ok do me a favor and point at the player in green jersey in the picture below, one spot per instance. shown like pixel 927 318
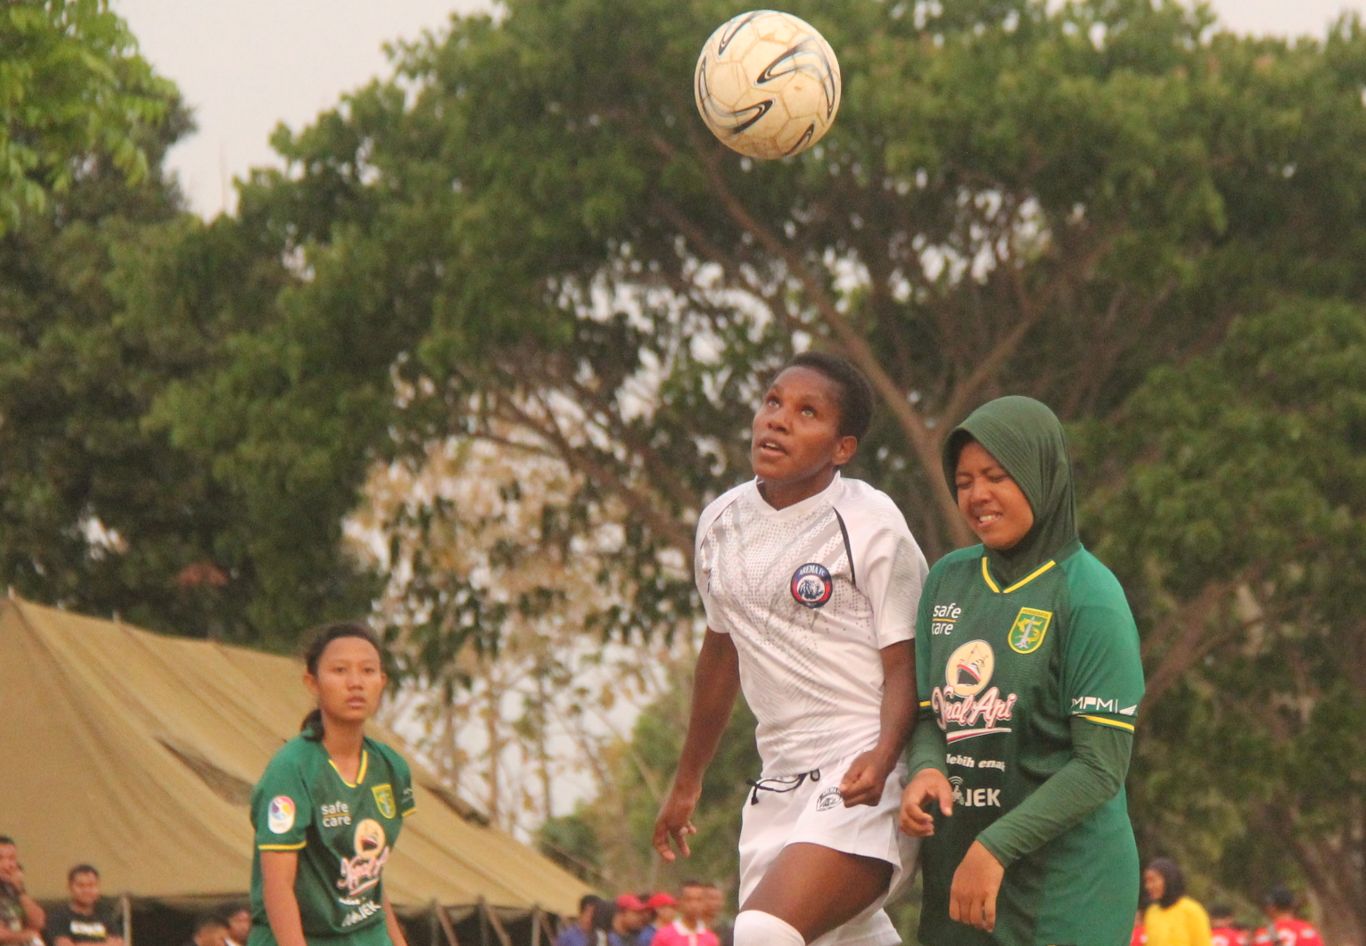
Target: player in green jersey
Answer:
pixel 1029 682
pixel 329 808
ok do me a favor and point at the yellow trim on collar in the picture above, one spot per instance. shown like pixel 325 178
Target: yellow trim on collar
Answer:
pixel 986 576
pixel 1128 727
pixel 360 776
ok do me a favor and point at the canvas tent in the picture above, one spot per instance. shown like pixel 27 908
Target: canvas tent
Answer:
pixel 137 752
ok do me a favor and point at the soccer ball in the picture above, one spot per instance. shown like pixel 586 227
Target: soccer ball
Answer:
pixel 767 84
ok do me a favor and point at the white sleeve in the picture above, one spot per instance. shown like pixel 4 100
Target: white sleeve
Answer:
pixel 704 560
pixel 888 567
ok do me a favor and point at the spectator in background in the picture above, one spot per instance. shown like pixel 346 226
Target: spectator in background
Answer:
pixel 1139 937
pixel 580 932
pixel 238 918
pixel 688 928
pixel 665 907
pixel 1224 931
pixel 210 930
pixel 713 907
pixel 626 921
pixel 646 933
pixel 85 918
pixel 21 918
pixel 1171 917
pixel 1284 928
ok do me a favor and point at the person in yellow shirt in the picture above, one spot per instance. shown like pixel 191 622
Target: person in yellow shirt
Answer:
pixel 1171 917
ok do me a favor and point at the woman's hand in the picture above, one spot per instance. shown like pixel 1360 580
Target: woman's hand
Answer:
pixel 865 779
pixel 972 898
pixel 928 787
pixel 674 823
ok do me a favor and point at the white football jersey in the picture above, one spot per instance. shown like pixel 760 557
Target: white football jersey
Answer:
pixel 810 595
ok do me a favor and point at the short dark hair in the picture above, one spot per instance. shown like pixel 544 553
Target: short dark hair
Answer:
pixel 589 900
pixel 81 869
pixel 6 839
pixel 1280 897
pixel 1173 881
pixel 856 394
pixel 209 920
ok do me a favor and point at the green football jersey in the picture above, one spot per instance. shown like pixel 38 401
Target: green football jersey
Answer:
pixel 344 834
pixel 1003 671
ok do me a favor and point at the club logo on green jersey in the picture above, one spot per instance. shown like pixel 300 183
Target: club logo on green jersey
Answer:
pixel 384 800
pixel 1026 634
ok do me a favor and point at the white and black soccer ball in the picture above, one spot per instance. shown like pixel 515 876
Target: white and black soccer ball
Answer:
pixel 767 84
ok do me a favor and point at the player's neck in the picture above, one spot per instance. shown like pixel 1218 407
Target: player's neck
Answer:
pixel 343 742
pixel 780 495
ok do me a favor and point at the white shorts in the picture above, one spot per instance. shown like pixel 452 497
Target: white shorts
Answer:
pixel 789 810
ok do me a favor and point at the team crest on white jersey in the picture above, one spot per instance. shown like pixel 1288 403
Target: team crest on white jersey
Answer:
pixel 812 585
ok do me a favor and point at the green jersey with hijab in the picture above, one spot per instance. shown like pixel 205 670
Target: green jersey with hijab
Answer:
pixel 1013 651
pixel 344 833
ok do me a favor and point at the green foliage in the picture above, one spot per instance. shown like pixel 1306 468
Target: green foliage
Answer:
pixel 1238 509
pixel 72 88
pixel 608 838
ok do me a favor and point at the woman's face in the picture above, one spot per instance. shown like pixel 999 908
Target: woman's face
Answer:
pixel 990 500
pixel 1154 885
pixel 349 681
pixel 795 442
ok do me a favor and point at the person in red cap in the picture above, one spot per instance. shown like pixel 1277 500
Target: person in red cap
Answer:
pixel 626 921
pixel 687 929
pixel 661 909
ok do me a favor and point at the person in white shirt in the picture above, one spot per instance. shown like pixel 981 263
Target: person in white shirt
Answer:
pixel 810 583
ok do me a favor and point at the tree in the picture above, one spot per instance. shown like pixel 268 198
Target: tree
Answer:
pixel 73 88
pixel 528 230
pixel 472 541
pixel 611 832
pixel 525 238
pixel 1236 501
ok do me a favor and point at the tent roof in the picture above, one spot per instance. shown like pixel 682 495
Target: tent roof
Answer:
pixel 136 752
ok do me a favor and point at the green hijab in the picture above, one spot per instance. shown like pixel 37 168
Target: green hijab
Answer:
pixel 1027 439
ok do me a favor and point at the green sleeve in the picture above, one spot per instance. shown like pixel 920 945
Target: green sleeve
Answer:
pixel 1102 672
pixel 928 748
pixel 281 808
pixel 406 804
pixel 1093 776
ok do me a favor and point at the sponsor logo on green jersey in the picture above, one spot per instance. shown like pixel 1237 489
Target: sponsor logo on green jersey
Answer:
pixel 965 700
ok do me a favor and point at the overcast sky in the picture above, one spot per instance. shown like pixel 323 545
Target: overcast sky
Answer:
pixel 246 65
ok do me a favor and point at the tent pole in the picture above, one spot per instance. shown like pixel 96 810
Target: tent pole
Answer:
pixel 536 926
pixel 447 927
pixel 126 907
pixel 495 923
pixel 543 925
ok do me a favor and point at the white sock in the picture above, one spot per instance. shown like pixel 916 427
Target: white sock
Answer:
pixel 757 928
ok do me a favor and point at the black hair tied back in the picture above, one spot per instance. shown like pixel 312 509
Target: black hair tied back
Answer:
pixel 312 726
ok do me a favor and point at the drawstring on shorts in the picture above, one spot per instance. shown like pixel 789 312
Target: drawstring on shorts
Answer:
pixel 780 784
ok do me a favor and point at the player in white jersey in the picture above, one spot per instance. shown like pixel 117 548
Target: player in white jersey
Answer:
pixel 810 584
